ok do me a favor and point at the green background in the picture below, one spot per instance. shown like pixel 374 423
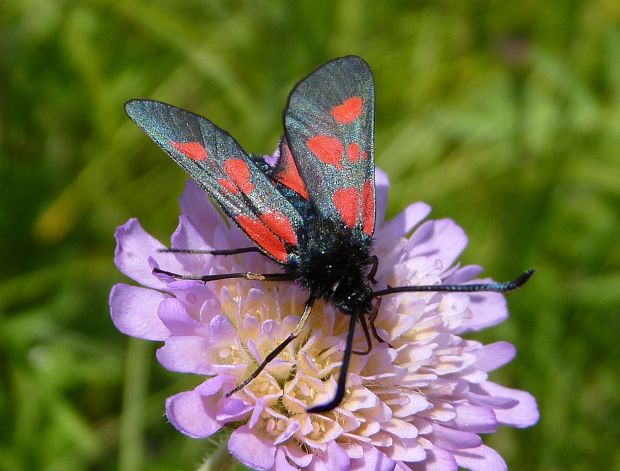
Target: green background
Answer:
pixel 502 115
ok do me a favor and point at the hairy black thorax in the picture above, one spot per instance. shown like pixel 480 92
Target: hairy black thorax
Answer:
pixel 332 262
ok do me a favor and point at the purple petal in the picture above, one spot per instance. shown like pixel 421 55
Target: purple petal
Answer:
pixel 175 317
pixel 382 184
pixel 441 240
pixel 522 414
pixel 411 403
pixel 463 275
pixel 259 407
pixel 198 299
pixel 200 212
pixel 451 439
pixel 290 430
pixel 282 463
pixel 333 459
pixel 253 451
pixel 186 354
pixel 475 419
pixel 193 414
pixel 371 460
pixel 207 221
pixel 214 385
pixel 298 456
pixel 488 309
pixel 221 330
pixel 495 355
pixel 406 220
pixel 481 458
pixel 438 459
pixel 401 429
pixel 478 396
pixel 272 160
pixel 185 236
pixel 133 249
pixel 231 409
pixel 134 312
pixel 406 450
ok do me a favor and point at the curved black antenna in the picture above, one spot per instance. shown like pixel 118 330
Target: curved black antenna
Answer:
pixel 342 379
pixel 499 287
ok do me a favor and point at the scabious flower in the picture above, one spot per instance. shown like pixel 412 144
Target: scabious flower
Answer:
pixel 419 403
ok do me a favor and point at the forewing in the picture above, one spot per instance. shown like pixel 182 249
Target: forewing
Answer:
pixel 219 165
pixel 329 126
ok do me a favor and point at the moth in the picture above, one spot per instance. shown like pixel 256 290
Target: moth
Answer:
pixel 313 212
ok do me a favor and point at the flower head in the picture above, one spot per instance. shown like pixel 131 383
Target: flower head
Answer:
pixel 419 401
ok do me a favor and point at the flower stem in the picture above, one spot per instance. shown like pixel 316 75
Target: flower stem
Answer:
pixel 219 460
pixel 131 442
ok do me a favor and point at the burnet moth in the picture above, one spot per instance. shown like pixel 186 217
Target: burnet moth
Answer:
pixel 313 212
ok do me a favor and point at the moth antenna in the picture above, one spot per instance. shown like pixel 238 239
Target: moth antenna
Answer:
pixel 499 287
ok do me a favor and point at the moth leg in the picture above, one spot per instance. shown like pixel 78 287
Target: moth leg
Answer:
pixel 342 378
pixel 374 260
pixel 367 336
pixel 371 320
pixel 214 251
pixel 225 276
pixel 276 351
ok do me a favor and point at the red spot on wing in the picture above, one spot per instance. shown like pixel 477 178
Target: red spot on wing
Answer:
pixel 348 111
pixel 327 148
pixel 368 207
pixel 260 233
pixel 194 150
pixel 239 173
pixel 354 151
pixel 280 225
pixel 288 174
pixel 228 185
pixel 346 201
